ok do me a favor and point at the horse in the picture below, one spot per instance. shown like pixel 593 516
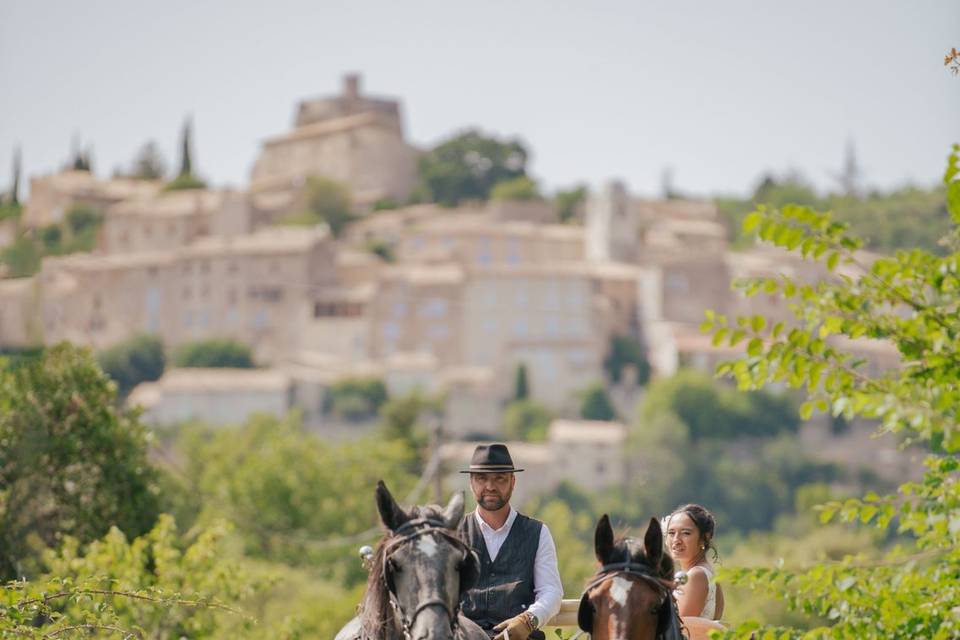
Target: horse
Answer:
pixel 417 576
pixel 631 595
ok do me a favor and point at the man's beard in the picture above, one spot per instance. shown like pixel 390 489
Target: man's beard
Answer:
pixel 493 502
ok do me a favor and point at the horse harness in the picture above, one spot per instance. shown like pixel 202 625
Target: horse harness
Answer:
pixel 668 619
pixel 469 569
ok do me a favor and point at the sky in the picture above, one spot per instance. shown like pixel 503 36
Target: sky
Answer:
pixel 716 92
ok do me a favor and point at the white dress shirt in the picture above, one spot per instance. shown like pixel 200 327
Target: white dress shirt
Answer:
pixel 547 588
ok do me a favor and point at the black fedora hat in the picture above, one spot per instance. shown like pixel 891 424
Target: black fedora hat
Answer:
pixel 491 458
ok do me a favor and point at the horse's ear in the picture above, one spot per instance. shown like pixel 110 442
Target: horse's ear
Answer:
pixel 391 514
pixel 603 539
pixel 653 542
pixel 453 513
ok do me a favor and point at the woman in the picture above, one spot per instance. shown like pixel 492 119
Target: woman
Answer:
pixel 690 532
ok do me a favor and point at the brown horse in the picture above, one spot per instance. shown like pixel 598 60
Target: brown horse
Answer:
pixel 416 576
pixel 631 595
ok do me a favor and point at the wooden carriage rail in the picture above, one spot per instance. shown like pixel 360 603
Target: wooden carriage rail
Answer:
pixel 567 616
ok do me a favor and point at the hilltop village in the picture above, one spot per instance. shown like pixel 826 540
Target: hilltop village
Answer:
pixel 456 302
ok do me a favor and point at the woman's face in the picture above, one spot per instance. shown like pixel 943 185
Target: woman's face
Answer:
pixel 683 539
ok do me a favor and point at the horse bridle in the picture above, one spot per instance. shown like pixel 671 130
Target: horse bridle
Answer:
pixel 399 540
pixel 663 586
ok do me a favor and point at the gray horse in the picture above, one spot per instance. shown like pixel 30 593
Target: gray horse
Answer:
pixel 418 572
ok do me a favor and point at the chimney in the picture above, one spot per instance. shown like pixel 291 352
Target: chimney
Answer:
pixel 351 86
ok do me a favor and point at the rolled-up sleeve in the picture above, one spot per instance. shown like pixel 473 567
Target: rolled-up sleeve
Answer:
pixel 547 588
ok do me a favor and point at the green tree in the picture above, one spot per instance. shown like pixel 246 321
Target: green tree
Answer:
pixel 327 201
pixel 909 301
pixel 519 188
pixel 526 420
pixel 22 257
pixel 70 462
pixel 149 164
pixel 595 404
pixel 713 410
pixel 570 202
pixel 135 360
pixel 186 178
pixel 402 416
pixel 15 186
pixel 468 165
pixel 292 496
pixel 357 398
pixel 626 351
pixel 169 588
pixel 521 388
pixel 186 159
pixel 216 353
pixel 51 237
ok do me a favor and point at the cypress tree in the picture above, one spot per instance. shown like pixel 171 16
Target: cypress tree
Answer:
pixel 15 190
pixel 520 386
pixel 186 164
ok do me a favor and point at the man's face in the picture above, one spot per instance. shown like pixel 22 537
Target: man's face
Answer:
pixel 492 491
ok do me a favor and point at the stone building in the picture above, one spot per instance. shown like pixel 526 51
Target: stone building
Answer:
pixel 52 196
pixel 251 288
pixel 351 138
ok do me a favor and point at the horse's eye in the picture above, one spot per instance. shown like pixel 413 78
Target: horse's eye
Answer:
pixel 394 567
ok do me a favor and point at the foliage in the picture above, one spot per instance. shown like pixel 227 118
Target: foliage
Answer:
pixel 401 416
pixel 9 209
pixel 186 161
pixel 526 420
pixel 902 219
pixel 468 165
pixel 714 410
pixel 215 352
pixel 185 182
pixel 14 194
pixel 328 202
pixel 22 258
pixel 519 188
pixel 71 464
pixel 521 387
pixel 149 164
pixel 595 403
pixel 626 351
pixel 910 301
pixel 952 61
pixel 381 248
pixel 357 398
pixel 50 237
pixel 178 589
pixel 572 530
pixel 77 233
pixel 83 220
pixel 135 360
pixel 293 497
pixel 570 202
pixel 384 204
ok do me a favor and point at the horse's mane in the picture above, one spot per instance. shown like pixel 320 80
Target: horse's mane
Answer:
pixel 376 614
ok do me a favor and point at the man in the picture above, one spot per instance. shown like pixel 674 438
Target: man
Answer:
pixel 519 585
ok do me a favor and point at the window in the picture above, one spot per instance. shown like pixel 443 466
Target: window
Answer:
pixel 433 308
pixel 484 252
pixel 521 327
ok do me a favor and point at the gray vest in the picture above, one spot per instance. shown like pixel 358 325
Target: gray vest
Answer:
pixel 505 586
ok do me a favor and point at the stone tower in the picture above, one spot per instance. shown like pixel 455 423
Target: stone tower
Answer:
pixel 612 227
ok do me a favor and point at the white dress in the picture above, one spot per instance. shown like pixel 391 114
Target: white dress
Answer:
pixel 710 604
